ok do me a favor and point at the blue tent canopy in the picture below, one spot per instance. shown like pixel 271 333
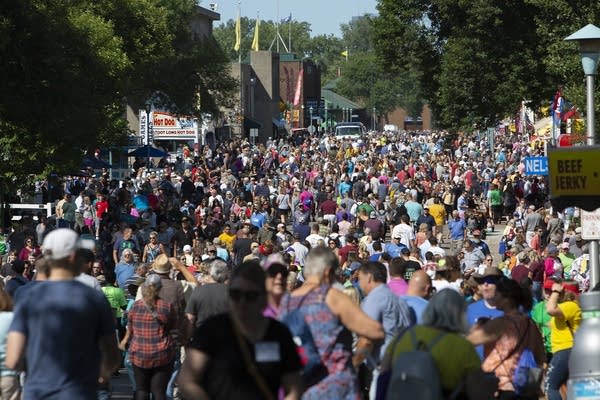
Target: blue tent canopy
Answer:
pixel 147 151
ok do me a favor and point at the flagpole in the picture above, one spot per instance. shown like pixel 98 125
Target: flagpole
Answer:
pixel 277 26
pixel 290 34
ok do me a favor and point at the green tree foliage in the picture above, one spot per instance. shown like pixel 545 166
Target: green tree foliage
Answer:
pixel 366 79
pixel 68 66
pixel 477 59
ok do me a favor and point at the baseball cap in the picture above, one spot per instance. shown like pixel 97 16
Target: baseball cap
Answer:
pixel 373 214
pixel 405 251
pixel 187 248
pixel 60 243
pixel 491 271
pixel 578 229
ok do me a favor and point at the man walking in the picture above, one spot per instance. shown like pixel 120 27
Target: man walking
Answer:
pixel 63 328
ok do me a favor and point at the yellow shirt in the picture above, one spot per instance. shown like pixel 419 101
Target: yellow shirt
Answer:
pixel 438 212
pixel 453 354
pixel 561 333
pixel 227 240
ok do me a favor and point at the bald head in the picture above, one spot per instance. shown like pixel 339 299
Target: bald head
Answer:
pixel 419 284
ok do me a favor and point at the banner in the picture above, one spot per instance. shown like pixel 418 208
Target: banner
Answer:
pixel 167 126
pixel 143 123
pixel 298 87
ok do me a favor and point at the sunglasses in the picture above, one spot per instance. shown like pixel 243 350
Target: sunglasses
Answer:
pixel 276 269
pixel 249 295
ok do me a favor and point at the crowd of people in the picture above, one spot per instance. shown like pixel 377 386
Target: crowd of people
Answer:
pixel 314 268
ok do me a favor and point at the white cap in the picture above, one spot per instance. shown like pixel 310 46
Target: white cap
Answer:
pixel 60 243
pixel 187 248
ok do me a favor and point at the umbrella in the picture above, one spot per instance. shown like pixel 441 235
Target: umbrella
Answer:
pixel 95 163
pixel 147 151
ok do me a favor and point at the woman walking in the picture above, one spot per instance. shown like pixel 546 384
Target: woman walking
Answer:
pixel 151 348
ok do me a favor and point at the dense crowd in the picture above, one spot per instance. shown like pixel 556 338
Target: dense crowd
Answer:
pixel 312 267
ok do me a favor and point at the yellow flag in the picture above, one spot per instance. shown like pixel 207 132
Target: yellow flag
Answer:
pixel 255 40
pixel 345 53
pixel 238 33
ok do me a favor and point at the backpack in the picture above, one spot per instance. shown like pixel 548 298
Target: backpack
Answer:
pixel 414 373
pixel 313 370
pixel 527 376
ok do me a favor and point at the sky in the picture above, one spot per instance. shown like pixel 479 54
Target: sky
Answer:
pixel 325 16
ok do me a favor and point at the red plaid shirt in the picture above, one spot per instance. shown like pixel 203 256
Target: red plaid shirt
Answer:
pixel 151 342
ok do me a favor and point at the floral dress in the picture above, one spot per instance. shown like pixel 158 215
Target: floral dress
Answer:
pixel 334 343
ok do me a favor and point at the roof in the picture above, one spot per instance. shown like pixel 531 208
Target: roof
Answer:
pixel 336 101
pixel 332 84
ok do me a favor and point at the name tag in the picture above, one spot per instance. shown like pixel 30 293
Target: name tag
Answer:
pixel 267 352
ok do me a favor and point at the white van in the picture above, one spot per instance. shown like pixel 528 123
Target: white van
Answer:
pixel 349 130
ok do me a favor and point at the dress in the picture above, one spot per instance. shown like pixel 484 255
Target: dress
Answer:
pixel 336 353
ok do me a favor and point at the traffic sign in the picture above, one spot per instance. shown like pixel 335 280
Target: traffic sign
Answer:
pixel 536 166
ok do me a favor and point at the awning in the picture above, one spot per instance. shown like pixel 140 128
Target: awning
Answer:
pixel 279 124
pixel 251 123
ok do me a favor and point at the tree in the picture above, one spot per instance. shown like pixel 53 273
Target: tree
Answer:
pixel 477 59
pixel 67 68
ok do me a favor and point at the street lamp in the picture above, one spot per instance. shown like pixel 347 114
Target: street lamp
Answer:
pixel 588 38
pixel 325 112
pixel 252 85
pixel 147 133
pixel 310 111
pixel 584 361
pixel 374 119
pixel 350 114
pixel 302 117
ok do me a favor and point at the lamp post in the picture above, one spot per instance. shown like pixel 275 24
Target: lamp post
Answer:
pixel 302 116
pixel 374 119
pixel 310 111
pixel 325 112
pixel 584 360
pixel 350 114
pixel 147 133
pixel 589 42
pixel 252 85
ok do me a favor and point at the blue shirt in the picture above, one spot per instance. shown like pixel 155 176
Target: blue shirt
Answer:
pixel 480 310
pixel 457 229
pixel 62 321
pixel 417 306
pixel 258 219
pixel 394 250
pixel 391 311
pixel 123 272
pixel 414 210
pixel 344 188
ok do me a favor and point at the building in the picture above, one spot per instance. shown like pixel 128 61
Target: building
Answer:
pixel 300 86
pixel 163 126
pixel 259 97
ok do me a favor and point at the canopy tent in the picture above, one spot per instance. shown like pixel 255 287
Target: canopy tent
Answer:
pixel 94 163
pixel 147 151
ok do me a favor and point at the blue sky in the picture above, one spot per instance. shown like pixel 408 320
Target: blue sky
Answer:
pixel 325 16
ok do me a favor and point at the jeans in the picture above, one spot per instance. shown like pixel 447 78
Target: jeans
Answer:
pixel 171 384
pixel 557 374
pixel 129 366
pixel 536 291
